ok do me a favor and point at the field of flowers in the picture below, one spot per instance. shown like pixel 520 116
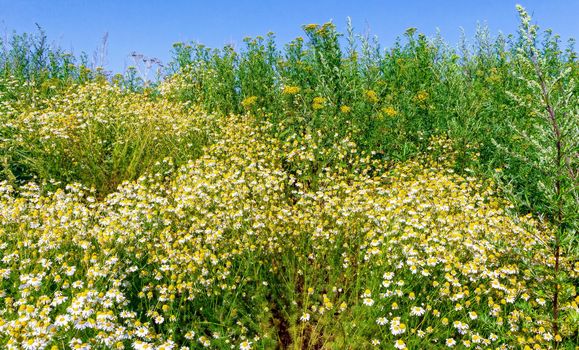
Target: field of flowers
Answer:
pixel 321 208
pixel 233 251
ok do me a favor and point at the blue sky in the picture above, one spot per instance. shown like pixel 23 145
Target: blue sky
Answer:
pixel 151 27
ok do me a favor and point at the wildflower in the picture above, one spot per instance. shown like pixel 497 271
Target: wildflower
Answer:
pixel 371 96
pixel 381 321
pixel 142 332
pixel 450 342
pixel 327 303
pixel 400 344
pixel 318 103
pixel 389 111
pixel 345 109
pixel 204 341
pixel 325 29
pixel 311 27
pixel 305 317
pixel 70 270
pixel 245 345
pixel 291 90
pixel 368 301
pixel 417 311
pixel 190 335
pixel 421 96
pixel 396 327
pixel 248 102
pixel 461 327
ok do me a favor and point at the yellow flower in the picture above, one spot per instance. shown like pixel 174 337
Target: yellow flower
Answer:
pixel 318 103
pixel 422 96
pixel 371 96
pixel 310 27
pixel 345 109
pixel 390 111
pixel 249 101
pixel 319 100
pixel 325 29
pixel 291 90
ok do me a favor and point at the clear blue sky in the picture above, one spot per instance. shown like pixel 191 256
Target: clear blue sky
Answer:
pixel 151 27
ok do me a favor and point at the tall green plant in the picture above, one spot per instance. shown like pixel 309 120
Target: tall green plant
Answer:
pixel 549 151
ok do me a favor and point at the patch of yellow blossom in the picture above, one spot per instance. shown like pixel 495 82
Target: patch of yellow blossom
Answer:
pixel 371 96
pixel 421 96
pixel 318 103
pixel 291 90
pixel 311 27
pixel 249 102
pixel 345 109
pixel 390 111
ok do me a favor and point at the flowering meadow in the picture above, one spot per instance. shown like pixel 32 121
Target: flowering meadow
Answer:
pixel 183 215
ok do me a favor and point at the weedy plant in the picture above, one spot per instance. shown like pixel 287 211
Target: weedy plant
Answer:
pixel 549 152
